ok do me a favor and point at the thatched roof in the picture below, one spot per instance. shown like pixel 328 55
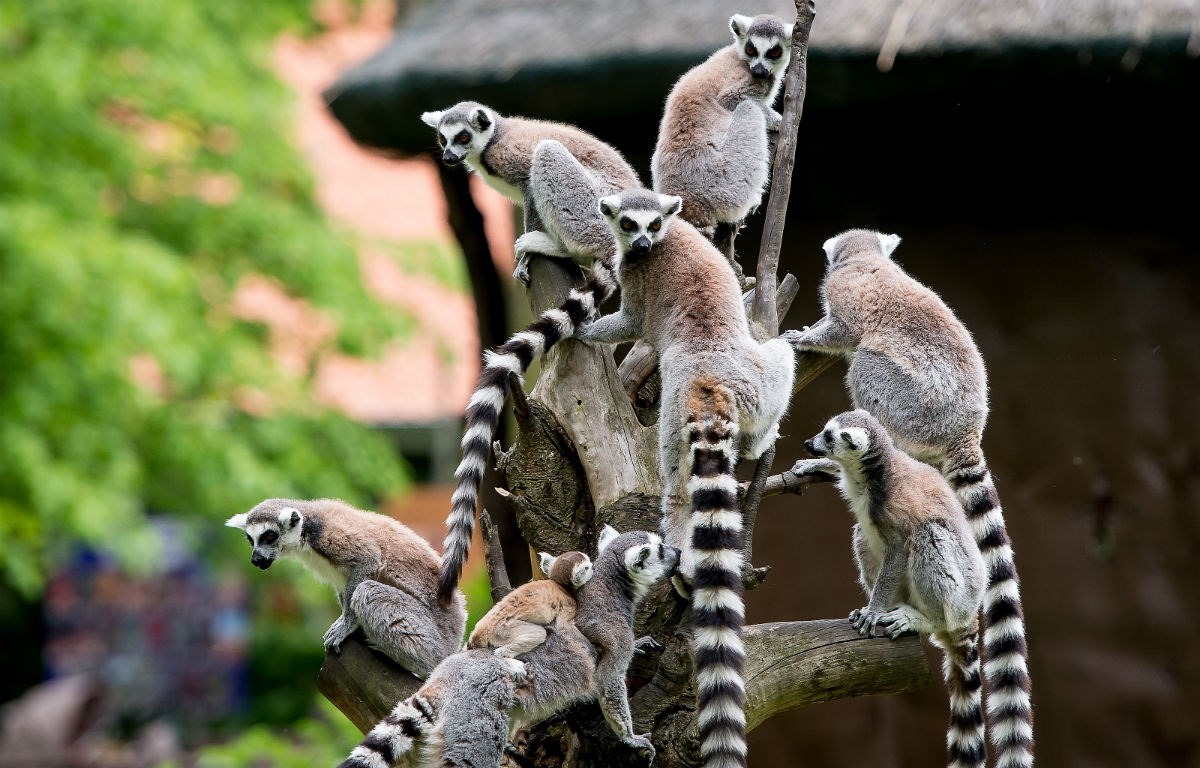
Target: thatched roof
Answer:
pixel 570 52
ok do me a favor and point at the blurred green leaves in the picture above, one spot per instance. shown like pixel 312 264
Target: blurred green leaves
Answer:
pixel 145 168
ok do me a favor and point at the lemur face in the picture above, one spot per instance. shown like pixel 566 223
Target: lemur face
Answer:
pixel 763 42
pixel 639 218
pixel 651 561
pixel 463 131
pixel 270 531
pixel 570 569
pixel 839 442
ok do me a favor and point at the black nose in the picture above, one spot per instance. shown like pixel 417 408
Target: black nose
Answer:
pixel 449 158
pixel 759 71
pixel 809 446
pixel 641 245
pixel 259 561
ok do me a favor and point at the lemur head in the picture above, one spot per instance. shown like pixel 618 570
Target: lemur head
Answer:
pixel 763 42
pixel 570 569
pixel 639 218
pixel 847 437
pixel 859 242
pixel 463 131
pixel 273 528
pixel 640 555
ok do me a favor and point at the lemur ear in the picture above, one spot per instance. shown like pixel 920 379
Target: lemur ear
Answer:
pixel 545 562
pixel 643 555
pixel 738 24
pixel 480 119
pixel 787 33
pixel 289 517
pixel 848 439
pixel 888 243
pixel 432 119
pixel 609 206
pixel 829 246
pixel 607 534
pixel 237 521
pixel 670 204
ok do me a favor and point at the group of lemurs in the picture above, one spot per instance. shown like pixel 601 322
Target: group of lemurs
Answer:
pixel 929 536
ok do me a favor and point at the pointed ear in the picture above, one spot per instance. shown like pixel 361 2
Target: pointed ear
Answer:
pixel 481 120
pixel 848 439
pixel 787 33
pixel 643 555
pixel 607 534
pixel 856 439
pixel 609 206
pixel 670 204
pixel 237 521
pixel 738 24
pixel 545 562
pixel 888 243
pixel 288 518
pixel 432 119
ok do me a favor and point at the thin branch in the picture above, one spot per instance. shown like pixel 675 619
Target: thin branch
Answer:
pixel 494 557
pixel 750 502
pixel 763 318
pixel 788 482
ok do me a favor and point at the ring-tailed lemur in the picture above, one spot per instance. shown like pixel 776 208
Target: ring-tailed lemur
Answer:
pixel 712 142
pixel 463 715
pixel 483 411
pixel 917 560
pixel 385 575
pixel 555 172
pixel 519 622
pixel 916 368
pixel 723 395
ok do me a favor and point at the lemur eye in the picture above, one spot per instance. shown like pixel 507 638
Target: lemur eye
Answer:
pixel 463 137
pixel 751 50
pixel 656 225
pixel 268 537
pixel 628 225
pixel 441 140
pixel 775 53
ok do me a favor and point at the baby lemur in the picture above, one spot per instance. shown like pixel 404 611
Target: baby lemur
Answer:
pixel 916 557
pixel 712 142
pixel 463 715
pixel 555 172
pixel 519 622
pixel 723 395
pixel 385 575
pixel 915 367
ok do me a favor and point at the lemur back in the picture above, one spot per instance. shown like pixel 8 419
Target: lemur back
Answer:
pixel 917 560
pixel 723 395
pixel 555 172
pixel 914 365
pixel 462 716
pixel 385 575
pixel 712 142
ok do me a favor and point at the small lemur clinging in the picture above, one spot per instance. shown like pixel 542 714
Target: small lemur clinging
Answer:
pixel 385 575
pixel 519 621
pixel 712 143
pixel 915 367
pixel 916 557
pixel 555 172
pixel 462 716
pixel 723 396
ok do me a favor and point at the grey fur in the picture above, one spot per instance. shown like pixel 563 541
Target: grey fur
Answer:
pixel 712 141
pixel 475 698
pixel 917 559
pixel 384 574
pixel 555 172
pixel 916 368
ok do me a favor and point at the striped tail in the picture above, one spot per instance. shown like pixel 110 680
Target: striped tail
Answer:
pixel 483 411
pixel 394 736
pixel 1009 706
pixel 960 667
pixel 717 608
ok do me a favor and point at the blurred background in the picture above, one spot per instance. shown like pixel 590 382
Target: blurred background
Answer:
pixel 229 270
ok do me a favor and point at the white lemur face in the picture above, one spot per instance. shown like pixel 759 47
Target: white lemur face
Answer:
pixel 839 441
pixel 271 533
pixel 763 42
pixel 463 131
pixel 650 562
pixel 639 218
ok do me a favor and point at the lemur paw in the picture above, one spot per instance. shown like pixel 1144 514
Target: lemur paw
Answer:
pixel 896 623
pixel 646 644
pixel 337 634
pixel 521 270
pixel 774 120
pixel 865 620
pixel 517 668
pixel 642 745
pixel 682 586
pixel 795 338
pixel 813 468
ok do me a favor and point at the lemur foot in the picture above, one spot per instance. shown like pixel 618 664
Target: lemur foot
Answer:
pixel 646 644
pixel 865 620
pixel 774 120
pixel 897 622
pixel 517 668
pixel 795 338
pixel 641 744
pixel 337 634
pixel 533 241
pixel 521 270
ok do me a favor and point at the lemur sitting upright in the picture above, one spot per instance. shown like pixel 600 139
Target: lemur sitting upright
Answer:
pixel 712 143
pixel 917 560
pixel 555 172
pixel 385 575
pixel 462 716
pixel 518 623
pixel 914 366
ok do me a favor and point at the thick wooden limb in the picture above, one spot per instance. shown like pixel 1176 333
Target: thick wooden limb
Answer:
pixel 363 684
pixel 763 316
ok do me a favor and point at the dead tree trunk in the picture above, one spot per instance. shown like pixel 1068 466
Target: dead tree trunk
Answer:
pixel 582 459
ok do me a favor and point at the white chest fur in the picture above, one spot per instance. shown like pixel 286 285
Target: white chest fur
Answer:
pixel 325 571
pixel 859 499
pixel 496 183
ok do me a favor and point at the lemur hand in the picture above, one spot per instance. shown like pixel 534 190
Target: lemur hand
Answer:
pixel 642 745
pixel 337 633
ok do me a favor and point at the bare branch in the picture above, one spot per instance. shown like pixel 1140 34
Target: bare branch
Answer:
pixel 750 501
pixel 763 317
pixel 788 482
pixel 494 557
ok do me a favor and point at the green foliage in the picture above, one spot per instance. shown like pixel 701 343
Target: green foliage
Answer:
pixel 322 739
pixel 146 170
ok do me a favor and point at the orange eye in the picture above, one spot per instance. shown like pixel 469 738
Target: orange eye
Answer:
pixel 463 138
pixel 627 225
pixel 751 50
pixel 656 225
pixel 775 53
